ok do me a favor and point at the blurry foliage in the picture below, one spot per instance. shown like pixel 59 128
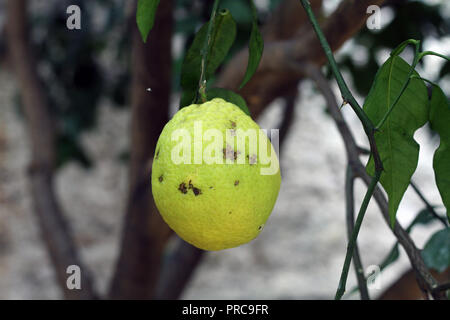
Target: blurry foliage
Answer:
pixel 191 15
pixel 412 19
pixel 68 63
pixel 75 81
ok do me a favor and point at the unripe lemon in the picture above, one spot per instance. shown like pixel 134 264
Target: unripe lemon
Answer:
pixel 215 175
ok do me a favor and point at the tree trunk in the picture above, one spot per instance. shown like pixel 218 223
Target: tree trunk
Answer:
pixel 145 233
pixel 54 228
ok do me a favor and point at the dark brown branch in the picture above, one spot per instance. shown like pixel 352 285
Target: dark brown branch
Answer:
pixel 145 233
pixel 178 267
pixel 287 117
pixel 54 228
pixel 287 20
pixel 425 280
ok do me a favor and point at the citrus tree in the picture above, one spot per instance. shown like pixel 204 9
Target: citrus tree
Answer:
pixel 238 58
pixel 397 105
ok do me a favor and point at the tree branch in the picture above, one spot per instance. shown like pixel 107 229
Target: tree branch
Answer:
pixel 287 117
pixel 54 228
pixel 425 280
pixel 145 234
pixel 179 263
pixel 428 205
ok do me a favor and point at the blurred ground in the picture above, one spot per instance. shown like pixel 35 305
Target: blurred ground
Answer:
pixel 298 256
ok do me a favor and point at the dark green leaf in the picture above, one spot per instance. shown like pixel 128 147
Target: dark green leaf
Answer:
pixel 228 96
pixel 391 257
pixel 445 70
pixel 240 10
pixel 436 253
pixel 145 16
pixel 69 149
pixel 224 33
pixel 398 150
pixel 440 122
pixel 255 47
pixel 424 217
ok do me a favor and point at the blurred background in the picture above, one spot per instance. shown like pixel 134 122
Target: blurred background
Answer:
pixel 78 129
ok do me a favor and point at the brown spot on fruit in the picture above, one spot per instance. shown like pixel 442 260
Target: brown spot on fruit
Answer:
pixel 182 188
pixel 196 191
pixel 161 178
pixel 236 182
pixel 260 227
pixel 157 154
pixel 233 124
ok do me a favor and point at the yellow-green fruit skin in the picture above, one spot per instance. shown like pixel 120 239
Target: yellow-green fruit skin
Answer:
pixel 213 206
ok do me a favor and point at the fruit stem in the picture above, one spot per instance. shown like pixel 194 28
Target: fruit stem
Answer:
pixel 204 53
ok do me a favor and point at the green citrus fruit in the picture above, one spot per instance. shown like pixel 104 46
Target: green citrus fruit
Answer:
pixel 215 175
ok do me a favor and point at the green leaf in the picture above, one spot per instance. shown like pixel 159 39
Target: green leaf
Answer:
pixel 240 11
pixel 444 70
pixel 440 122
pixel 424 217
pixel 398 150
pixel 188 97
pixel 391 257
pixel 255 47
pixel 228 96
pixel 222 38
pixel 145 16
pixel 436 253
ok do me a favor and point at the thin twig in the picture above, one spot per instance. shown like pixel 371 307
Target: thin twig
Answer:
pixel 345 91
pixel 287 118
pixel 352 242
pixel 370 132
pixel 425 280
pixel 428 205
pixel 350 209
